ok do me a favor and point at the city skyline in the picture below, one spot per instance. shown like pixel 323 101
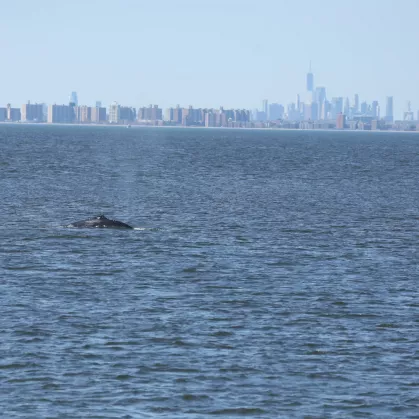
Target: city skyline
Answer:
pixel 317 112
pixel 237 53
pixel 312 93
pixel 313 105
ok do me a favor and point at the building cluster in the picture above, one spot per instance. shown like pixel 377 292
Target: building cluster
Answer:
pixel 313 111
pixel 125 115
pixel 10 114
pixel 208 117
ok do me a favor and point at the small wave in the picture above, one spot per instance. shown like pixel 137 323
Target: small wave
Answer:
pixel 239 411
pixel 188 396
pixel 69 236
pixel 20 366
pixel 124 377
pixel 387 326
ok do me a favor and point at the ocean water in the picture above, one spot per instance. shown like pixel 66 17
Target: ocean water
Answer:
pixel 275 273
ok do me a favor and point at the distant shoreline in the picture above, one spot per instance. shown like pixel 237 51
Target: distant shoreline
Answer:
pixel 138 126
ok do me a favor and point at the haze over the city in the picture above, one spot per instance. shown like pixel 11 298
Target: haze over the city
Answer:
pixel 212 53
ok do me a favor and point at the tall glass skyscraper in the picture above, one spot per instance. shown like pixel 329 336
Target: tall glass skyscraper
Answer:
pixel 337 106
pixel 73 99
pixel 375 109
pixel 320 95
pixel 389 109
pixel 310 80
pixel 265 108
pixel 356 102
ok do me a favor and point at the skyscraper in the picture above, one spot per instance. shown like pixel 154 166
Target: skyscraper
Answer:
pixel 32 112
pixel 98 115
pixel 374 109
pixel 265 108
pixel 114 115
pixel 320 95
pixel 311 111
pixel 60 114
pixel 276 111
pixel 408 114
pixel 346 108
pixel 154 113
pixel 356 102
pixel 3 114
pixel 293 112
pixel 13 114
pixel 82 114
pixel 337 106
pixel 340 121
pixel 325 110
pixel 127 114
pixel 73 99
pixel 364 108
pixel 310 80
pixel 389 109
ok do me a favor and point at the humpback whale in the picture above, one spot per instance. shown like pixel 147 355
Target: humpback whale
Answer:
pixel 99 222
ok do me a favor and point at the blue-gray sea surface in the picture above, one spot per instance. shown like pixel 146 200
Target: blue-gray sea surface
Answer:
pixel 276 274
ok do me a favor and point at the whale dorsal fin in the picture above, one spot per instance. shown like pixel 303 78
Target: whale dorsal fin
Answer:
pixel 101 217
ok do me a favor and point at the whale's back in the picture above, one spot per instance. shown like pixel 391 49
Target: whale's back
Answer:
pixel 99 222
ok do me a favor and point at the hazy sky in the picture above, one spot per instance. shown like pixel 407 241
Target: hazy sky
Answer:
pixel 207 53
